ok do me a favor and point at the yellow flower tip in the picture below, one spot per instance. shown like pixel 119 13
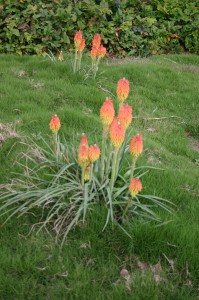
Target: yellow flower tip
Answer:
pixel 117 133
pixel 94 153
pixel 55 124
pixel 123 89
pixel 107 112
pixel 87 173
pixel 93 52
pixel 125 115
pixel 136 146
pixel 81 46
pixel 135 186
pixel 83 158
pixel 101 52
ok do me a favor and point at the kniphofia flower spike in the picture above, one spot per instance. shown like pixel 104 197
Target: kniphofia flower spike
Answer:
pixel 122 89
pixel 55 124
pixel 135 186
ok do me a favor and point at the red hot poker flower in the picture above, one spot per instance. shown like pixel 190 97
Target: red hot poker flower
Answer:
pixel 125 115
pixel 135 186
pixel 54 124
pixel 83 141
pixel 96 40
pixel 83 156
pixel 136 146
pixel 107 112
pixel 101 52
pixel 94 153
pixel 117 133
pixel 81 46
pixel 77 39
pixel 122 89
pixel 93 52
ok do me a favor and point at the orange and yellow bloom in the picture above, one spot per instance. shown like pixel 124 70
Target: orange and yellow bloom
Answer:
pixel 83 158
pixel 107 112
pixel 77 39
pixel 135 186
pixel 136 146
pixel 117 133
pixel 55 124
pixel 81 46
pixel 94 153
pixel 96 40
pixel 101 52
pixel 125 115
pixel 122 89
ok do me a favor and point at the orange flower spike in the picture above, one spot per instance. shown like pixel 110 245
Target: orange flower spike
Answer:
pixel 61 58
pixel 122 89
pixel 83 158
pixel 93 52
pixel 77 39
pixel 101 52
pixel 135 186
pixel 81 46
pixel 117 134
pixel 83 141
pixel 96 40
pixel 107 112
pixel 55 124
pixel 125 115
pixel 94 153
pixel 136 146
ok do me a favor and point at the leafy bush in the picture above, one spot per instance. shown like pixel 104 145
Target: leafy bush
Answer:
pixel 127 27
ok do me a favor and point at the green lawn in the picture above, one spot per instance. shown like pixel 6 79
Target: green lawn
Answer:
pixel 162 262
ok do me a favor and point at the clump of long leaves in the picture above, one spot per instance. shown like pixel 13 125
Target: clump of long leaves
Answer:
pixel 51 182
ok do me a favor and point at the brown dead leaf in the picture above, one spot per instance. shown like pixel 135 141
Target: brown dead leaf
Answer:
pixel 7 131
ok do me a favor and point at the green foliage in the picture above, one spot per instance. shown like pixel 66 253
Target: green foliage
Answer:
pixel 127 27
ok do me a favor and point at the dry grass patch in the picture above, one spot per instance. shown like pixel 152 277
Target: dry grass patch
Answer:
pixel 7 131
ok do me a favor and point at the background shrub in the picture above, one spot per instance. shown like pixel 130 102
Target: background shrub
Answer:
pixel 131 27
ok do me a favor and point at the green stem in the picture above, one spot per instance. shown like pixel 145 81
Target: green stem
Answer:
pixel 83 174
pixel 55 142
pixel 105 131
pixel 113 173
pixel 132 168
pixel 108 159
pixel 129 203
pixel 91 172
pixel 79 61
pixel 75 62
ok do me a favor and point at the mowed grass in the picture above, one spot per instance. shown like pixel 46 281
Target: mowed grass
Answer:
pixel 164 95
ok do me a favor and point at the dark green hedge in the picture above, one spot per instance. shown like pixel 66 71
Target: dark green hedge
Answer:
pixel 127 27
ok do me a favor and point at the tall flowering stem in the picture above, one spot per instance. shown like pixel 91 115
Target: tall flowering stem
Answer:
pixel 135 187
pixel 135 148
pixel 107 114
pixel 54 127
pixel 117 135
pixel 94 153
pixel 108 159
pixel 98 51
pixel 79 43
pixel 122 90
pixel 102 164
